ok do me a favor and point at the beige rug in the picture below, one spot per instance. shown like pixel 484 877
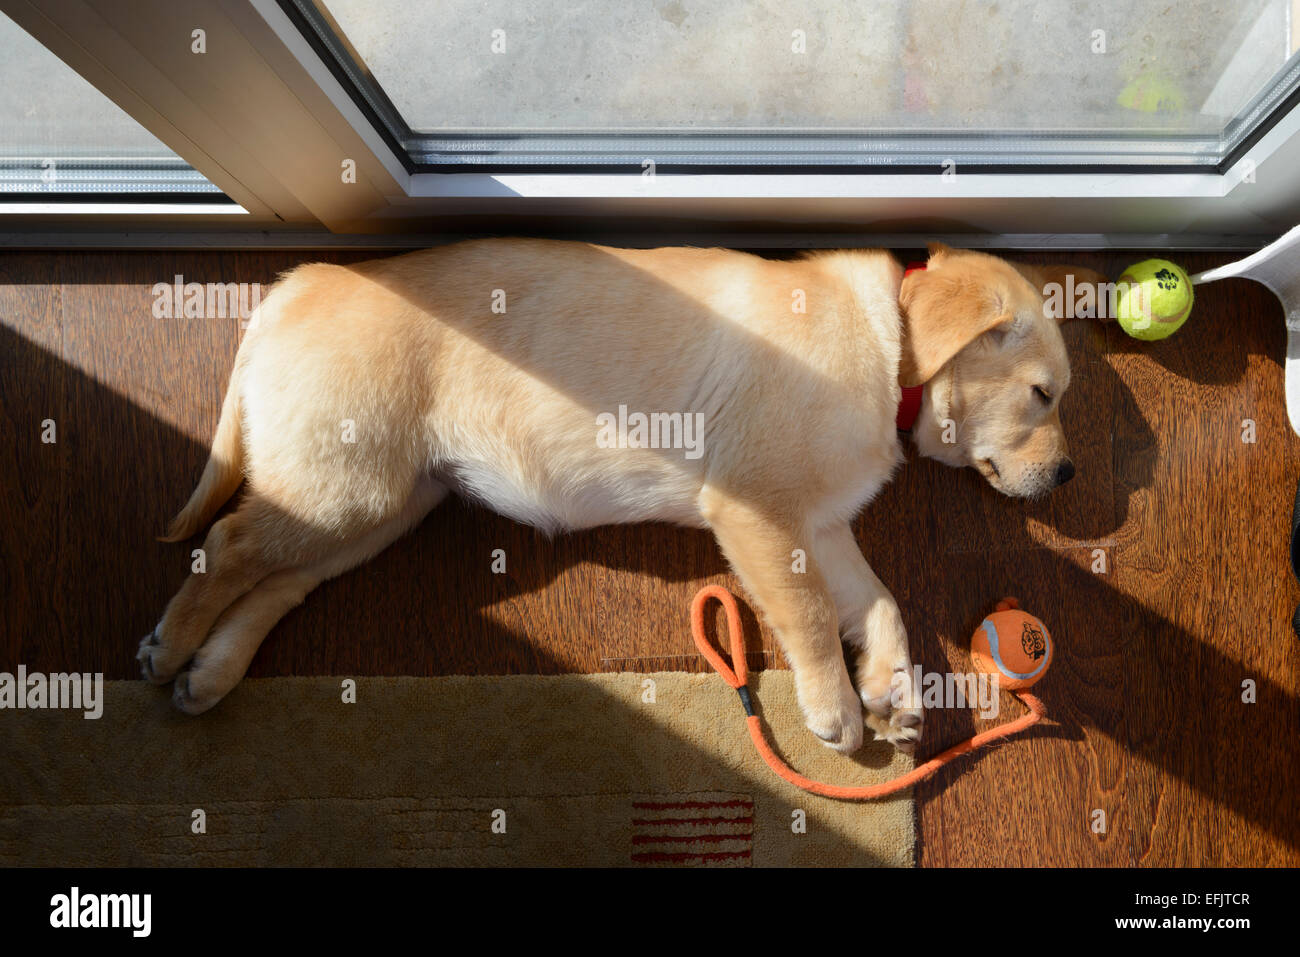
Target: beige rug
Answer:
pixel 521 770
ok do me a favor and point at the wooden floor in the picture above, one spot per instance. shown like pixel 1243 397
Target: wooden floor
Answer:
pixel 1148 723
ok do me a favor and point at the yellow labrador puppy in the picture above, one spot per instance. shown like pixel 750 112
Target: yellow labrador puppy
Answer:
pixel 568 385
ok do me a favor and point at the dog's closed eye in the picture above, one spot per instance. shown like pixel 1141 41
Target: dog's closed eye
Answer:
pixel 1043 395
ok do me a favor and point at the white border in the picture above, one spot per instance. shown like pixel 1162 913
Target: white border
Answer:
pixel 121 209
pixel 812 186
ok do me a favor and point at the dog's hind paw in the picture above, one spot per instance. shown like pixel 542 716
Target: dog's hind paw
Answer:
pixel 149 655
pixel 189 695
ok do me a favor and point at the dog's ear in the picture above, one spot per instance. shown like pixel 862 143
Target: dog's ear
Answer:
pixel 1069 292
pixel 943 311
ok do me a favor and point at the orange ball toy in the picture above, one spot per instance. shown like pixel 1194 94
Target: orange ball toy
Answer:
pixel 1012 645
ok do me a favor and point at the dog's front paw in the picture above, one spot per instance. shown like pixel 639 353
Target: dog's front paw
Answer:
pixel 902 729
pixel 832 711
pixel 894 712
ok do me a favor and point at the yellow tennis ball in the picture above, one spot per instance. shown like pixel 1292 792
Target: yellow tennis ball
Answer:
pixel 1152 94
pixel 1154 299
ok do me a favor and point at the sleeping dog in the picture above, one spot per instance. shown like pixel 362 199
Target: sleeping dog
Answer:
pixel 362 395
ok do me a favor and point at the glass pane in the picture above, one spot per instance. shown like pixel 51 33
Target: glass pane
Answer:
pixel 1138 81
pixel 59 136
pixel 669 64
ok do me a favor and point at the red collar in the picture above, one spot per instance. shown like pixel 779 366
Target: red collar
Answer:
pixel 909 407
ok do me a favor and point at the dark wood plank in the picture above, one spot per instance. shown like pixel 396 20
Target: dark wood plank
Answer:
pixel 34 472
pixel 142 396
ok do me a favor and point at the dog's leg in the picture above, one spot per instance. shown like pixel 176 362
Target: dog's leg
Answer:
pixel 236 559
pixel 870 621
pixel 224 657
pixel 799 607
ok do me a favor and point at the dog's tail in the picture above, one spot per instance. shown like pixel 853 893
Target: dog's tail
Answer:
pixel 225 469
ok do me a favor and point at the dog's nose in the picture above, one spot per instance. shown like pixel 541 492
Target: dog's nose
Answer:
pixel 1064 472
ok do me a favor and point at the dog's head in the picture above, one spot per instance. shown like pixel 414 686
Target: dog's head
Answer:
pixel 979 332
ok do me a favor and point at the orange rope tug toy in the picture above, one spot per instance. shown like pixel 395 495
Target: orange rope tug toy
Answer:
pixel 1016 669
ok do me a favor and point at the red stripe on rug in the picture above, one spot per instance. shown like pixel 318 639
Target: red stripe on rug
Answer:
pixel 645 821
pixel 687 805
pixel 709 856
pixel 689 839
